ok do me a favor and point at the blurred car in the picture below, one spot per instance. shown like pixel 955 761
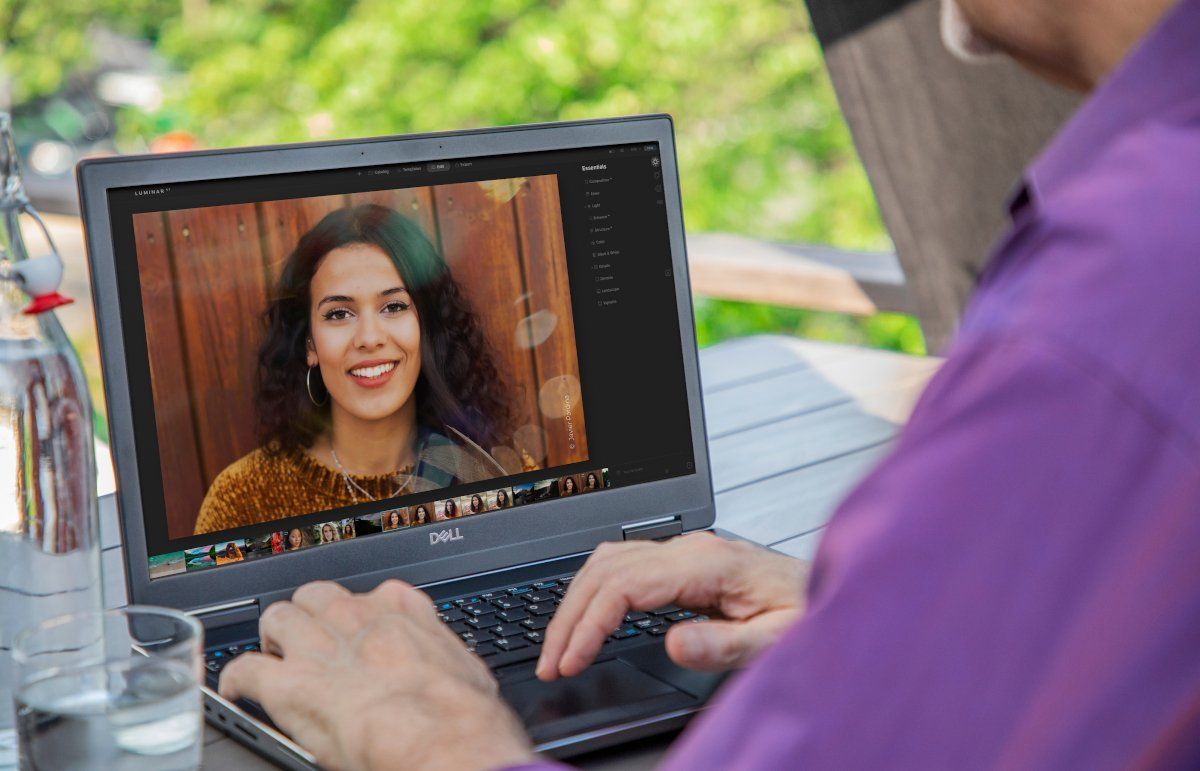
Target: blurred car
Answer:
pixel 55 132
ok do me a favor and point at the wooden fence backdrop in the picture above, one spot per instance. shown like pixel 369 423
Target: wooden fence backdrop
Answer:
pixel 206 274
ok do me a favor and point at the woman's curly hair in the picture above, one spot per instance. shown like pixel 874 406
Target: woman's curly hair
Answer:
pixel 459 386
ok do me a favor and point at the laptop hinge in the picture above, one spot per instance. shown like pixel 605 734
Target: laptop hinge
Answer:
pixel 654 529
pixel 227 614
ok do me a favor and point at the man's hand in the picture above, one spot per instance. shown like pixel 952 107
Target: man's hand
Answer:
pixel 376 681
pixel 755 592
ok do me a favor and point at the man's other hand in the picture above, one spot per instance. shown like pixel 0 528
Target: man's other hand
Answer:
pixel 376 681
pixel 755 593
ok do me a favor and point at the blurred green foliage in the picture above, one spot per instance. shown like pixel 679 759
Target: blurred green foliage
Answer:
pixel 762 146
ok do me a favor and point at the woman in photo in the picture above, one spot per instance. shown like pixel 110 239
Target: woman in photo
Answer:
pixel 329 533
pixel 347 529
pixel 567 487
pixel 591 482
pixel 502 499
pixel 295 539
pixel 391 520
pixel 476 505
pixel 374 378
pixel 421 514
pixel 450 510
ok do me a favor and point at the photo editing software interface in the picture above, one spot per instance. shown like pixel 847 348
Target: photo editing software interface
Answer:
pixel 321 356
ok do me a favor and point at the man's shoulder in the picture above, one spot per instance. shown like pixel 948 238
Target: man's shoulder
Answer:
pixel 1109 266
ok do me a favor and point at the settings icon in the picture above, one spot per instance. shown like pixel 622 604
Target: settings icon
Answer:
pixel 654 162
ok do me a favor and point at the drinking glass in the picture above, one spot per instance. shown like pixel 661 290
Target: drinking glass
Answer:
pixel 116 690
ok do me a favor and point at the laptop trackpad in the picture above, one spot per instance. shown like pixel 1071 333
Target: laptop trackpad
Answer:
pixel 605 693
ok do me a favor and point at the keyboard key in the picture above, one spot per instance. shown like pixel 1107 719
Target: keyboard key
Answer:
pixel 485 649
pixel 494 595
pixel 516 614
pixel 214 666
pixel 559 590
pixel 506 630
pixel 658 631
pixel 504 603
pixel 534 637
pixel 478 610
pixel 253 647
pixel 468 601
pixel 539 597
pixel 665 610
pixel 544 584
pixel 472 637
pixel 635 616
pixel 682 615
pixel 452 615
pixel 625 632
pixel 442 607
pixel 520 590
pixel 648 623
pixel 458 627
pixel 482 622
pixel 536 623
pixel 510 643
pixel 539 609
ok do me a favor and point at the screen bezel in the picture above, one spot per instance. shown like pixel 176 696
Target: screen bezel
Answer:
pixel 496 541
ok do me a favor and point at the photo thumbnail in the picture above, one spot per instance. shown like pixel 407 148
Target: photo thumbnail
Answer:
pixel 369 525
pixel 297 538
pixel 394 519
pixel 446 510
pixel 231 551
pixel 499 499
pixel 570 485
pixel 421 514
pixel 200 557
pixel 167 564
pixel 472 504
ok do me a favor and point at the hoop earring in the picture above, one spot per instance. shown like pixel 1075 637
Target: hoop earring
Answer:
pixel 308 387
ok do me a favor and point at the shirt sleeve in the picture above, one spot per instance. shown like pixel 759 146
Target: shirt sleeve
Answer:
pixel 1014 586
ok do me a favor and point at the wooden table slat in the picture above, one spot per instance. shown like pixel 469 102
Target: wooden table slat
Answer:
pixel 794 503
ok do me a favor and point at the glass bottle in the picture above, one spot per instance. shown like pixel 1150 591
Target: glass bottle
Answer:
pixel 49 535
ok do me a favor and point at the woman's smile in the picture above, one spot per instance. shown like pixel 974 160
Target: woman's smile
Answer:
pixel 372 374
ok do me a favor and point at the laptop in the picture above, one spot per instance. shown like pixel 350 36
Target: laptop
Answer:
pixel 462 360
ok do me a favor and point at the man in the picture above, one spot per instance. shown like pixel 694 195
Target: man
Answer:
pixel 1016 586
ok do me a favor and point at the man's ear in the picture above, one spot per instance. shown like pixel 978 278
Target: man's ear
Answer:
pixel 962 41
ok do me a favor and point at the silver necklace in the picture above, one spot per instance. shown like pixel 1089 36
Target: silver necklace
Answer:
pixel 351 485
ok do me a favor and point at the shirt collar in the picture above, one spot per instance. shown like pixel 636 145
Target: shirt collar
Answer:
pixel 1162 72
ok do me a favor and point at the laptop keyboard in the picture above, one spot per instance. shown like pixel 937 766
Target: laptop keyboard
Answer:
pixel 506 626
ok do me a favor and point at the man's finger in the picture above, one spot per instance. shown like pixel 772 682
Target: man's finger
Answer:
pixel 249 676
pixel 574 603
pixel 315 596
pixel 396 596
pixel 718 646
pixel 284 626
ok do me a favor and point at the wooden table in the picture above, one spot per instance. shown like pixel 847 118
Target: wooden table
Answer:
pixel 792 425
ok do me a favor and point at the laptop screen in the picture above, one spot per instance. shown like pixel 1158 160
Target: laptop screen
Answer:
pixel 329 355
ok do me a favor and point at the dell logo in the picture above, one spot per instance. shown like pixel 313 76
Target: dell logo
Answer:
pixel 442 536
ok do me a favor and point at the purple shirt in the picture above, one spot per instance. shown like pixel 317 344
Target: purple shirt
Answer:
pixel 1018 584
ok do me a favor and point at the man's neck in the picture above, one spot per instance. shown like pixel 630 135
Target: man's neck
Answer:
pixel 373 447
pixel 1112 30
pixel 1101 34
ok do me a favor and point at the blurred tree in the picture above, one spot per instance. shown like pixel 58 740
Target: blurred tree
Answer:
pixel 762 146
pixel 43 43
